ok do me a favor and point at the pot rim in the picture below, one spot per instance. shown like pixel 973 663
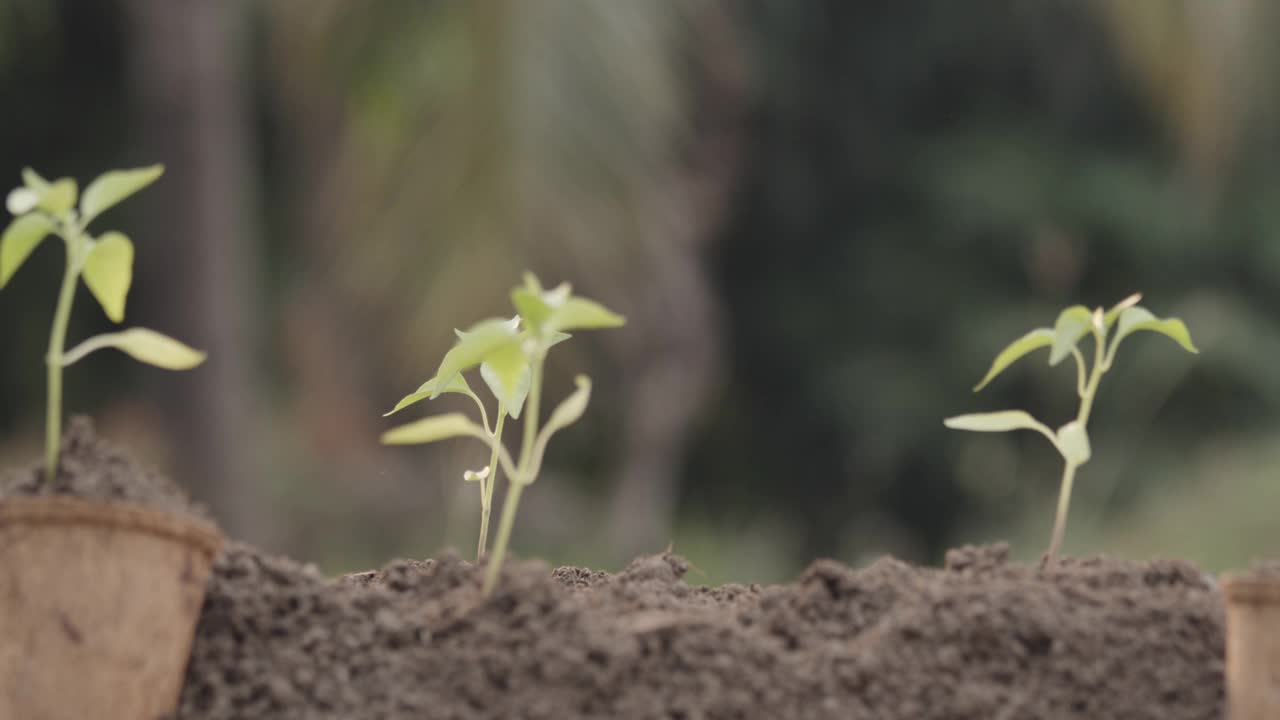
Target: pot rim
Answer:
pixel 68 510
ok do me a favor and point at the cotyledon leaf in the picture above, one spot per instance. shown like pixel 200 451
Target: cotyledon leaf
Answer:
pixel 1034 340
pixel 1072 324
pixel 1139 318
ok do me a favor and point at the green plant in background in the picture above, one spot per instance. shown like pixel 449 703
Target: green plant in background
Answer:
pixel 1063 339
pixel 510 355
pixel 42 208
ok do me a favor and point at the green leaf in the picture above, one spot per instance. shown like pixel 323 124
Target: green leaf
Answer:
pixel 19 239
pixel 21 200
pixel 1073 443
pixel 1002 421
pixel 424 391
pixel 1139 318
pixel 532 308
pixel 114 186
pixel 1034 340
pixel 566 413
pixel 108 271
pixel 506 371
pixel 1114 313
pixel 428 430
pixel 582 314
pixel 531 283
pixel 475 346
pixel 59 198
pixel 1073 323
pixel 34 182
pixel 144 345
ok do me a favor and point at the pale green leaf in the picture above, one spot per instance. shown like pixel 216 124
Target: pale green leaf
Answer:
pixel 531 283
pixel 566 413
pixel 457 385
pixel 21 200
pixel 1073 323
pixel 144 345
pixel 19 239
pixel 1034 340
pixel 532 308
pixel 505 371
pixel 114 186
pixel 1073 443
pixel 1138 318
pixel 580 313
pixel 474 347
pixel 108 271
pixel 431 429
pixel 34 182
pixel 1001 421
pixel 59 198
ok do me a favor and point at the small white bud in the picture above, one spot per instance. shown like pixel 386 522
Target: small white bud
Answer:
pixel 21 200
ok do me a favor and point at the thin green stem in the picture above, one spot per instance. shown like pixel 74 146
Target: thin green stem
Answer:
pixel 53 359
pixel 505 525
pixel 486 487
pixel 520 479
pixel 1064 503
pixel 1087 395
pixel 1095 377
pixel 1080 371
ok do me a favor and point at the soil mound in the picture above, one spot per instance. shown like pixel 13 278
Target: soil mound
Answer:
pixel 89 467
pixel 982 638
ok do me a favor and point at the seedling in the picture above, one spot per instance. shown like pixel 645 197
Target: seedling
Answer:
pixel 1063 339
pixel 42 208
pixel 510 355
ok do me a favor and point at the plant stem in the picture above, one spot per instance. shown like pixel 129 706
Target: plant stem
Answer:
pixel 504 535
pixel 53 359
pixel 1069 472
pixel 518 482
pixel 486 487
pixel 1064 502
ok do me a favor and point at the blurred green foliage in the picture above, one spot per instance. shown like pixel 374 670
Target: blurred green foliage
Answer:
pixel 914 183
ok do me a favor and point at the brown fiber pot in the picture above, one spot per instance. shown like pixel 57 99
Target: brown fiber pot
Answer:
pixel 1253 647
pixel 98 605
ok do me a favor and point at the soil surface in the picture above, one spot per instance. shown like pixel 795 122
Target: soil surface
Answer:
pixel 91 468
pixel 982 638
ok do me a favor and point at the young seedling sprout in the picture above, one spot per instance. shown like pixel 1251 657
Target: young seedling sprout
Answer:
pixel 510 355
pixel 1063 339
pixel 42 208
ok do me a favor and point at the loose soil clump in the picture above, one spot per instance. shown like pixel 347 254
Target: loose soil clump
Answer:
pixel 981 638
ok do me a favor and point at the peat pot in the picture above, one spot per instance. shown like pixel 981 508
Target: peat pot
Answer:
pixel 1253 646
pixel 98 605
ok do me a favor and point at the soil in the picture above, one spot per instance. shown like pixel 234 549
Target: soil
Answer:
pixel 91 468
pixel 981 638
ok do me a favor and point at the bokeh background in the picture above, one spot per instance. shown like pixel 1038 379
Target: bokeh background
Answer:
pixel 822 219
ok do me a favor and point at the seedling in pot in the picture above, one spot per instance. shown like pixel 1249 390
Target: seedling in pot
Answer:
pixel 1063 339
pixel 42 208
pixel 510 355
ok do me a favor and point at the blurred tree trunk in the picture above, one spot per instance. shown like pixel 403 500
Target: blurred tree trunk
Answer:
pixel 192 108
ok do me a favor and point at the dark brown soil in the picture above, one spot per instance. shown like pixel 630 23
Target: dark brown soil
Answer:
pixel 94 469
pixel 982 638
